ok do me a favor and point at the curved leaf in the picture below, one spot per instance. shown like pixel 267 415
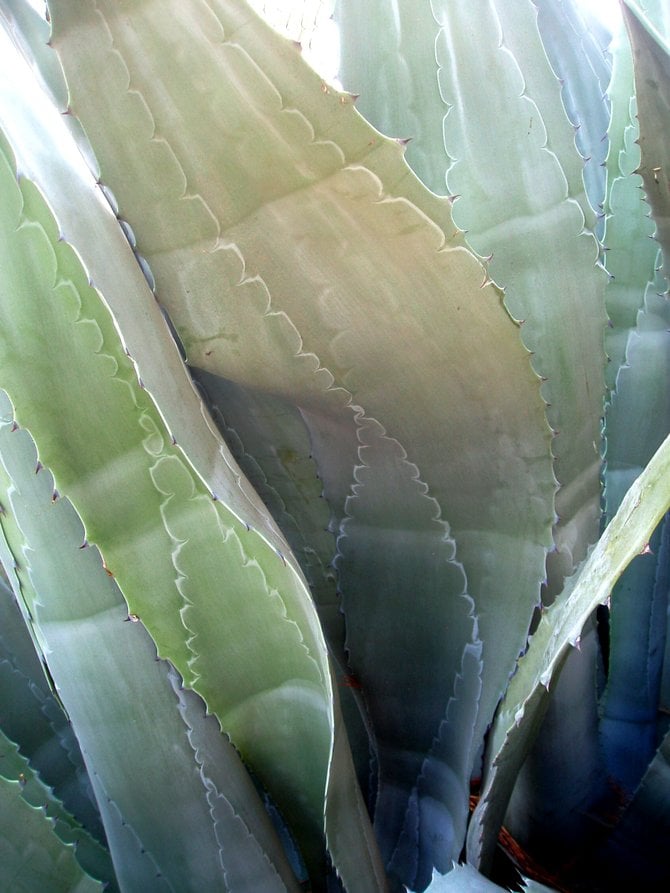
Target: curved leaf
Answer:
pixel 216 229
pixel 560 627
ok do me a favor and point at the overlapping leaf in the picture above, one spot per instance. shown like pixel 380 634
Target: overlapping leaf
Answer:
pixel 381 308
pixel 561 625
pixel 102 473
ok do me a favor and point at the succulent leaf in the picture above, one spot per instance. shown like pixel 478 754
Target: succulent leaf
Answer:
pixel 560 627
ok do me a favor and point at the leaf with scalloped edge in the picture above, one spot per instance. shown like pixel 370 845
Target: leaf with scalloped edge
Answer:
pixel 33 717
pixel 92 857
pixel 579 60
pixel 268 163
pixel 103 474
pixel 32 858
pixel 104 665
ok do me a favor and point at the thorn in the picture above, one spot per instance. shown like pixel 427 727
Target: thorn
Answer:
pixel 404 141
pixel 646 550
pixel 174 440
pixel 38 467
pixel 55 496
pixel 281 556
pixel 14 427
pixel 84 545
pixel 247 526
pixel 132 618
pixel 107 570
pixel 214 497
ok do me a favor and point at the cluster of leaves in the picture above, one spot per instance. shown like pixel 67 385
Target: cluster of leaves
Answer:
pixel 302 437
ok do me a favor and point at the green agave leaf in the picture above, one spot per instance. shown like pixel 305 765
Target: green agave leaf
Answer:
pixel 518 21
pixel 56 835
pixel 47 155
pixel 657 14
pixel 32 858
pixel 560 627
pixel 132 470
pixel 216 229
pixel 191 833
pixel 651 54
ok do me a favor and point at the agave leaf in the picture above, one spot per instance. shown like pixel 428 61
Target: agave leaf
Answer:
pixel 343 195
pixel 160 367
pixel 514 204
pixel 45 154
pixel 66 841
pixel 552 807
pixel 32 858
pixel 414 545
pixel 581 65
pixel 651 53
pixel 32 717
pixel 631 255
pixel 638 614
pixel 104 666
pixel 270 441
pixel 387 55
pixel 91 475
pixel 632 849
pixel 560 627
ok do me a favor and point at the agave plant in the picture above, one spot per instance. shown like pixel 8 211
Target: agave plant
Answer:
pixel 333 467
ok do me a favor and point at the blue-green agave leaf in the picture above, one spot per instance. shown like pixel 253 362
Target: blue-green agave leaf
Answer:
pixel 560 627
pixel 396 537
pixel 66 840
pixel 32 857
pixel 640 831
pixel 581 64
pixel 32 717
pixel 631 254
